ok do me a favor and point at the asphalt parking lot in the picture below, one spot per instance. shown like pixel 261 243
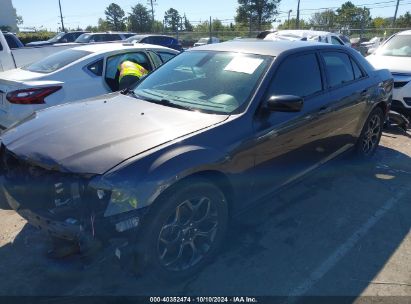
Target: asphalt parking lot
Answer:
pixel 344 230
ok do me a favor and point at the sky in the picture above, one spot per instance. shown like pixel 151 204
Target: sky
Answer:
pixel 80 13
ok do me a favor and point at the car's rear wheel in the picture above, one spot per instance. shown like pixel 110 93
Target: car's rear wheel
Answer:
pixel 371 134
pixel 185 229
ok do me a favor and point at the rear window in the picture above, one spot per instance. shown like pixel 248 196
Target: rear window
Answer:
pixel 56 61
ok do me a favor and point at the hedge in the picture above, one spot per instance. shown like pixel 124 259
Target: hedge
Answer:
pixel 37 36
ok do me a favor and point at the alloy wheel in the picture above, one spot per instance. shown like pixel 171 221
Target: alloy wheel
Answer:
pixel 188 234
pixel 372 134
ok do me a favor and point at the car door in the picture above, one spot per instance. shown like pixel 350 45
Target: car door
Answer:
pixel 290 144
pixel 111 72
pixel 347 92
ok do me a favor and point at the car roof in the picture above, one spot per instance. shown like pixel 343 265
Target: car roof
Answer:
pixel 263 47
pixel 304 33
pixel 405 33
pixel 150 35
pixel 108 47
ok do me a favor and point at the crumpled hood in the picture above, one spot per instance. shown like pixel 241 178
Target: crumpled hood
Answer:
pixel 394 64
pixel 93 136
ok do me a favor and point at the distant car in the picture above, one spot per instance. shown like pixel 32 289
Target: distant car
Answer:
pixel 59 38
pixel 162 40
pixel 345 39
pixel 154 175
pixel 73 74
pixel 395 55
pixel 205 41
pixel 103 37
pixel 306 35
pixel 12 40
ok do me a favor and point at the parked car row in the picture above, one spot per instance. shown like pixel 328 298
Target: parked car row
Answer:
pixel 70 75
pixel 154 173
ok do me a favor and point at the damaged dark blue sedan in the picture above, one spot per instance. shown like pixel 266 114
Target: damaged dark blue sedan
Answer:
pixel 154 173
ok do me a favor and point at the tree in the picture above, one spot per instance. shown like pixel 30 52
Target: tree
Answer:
pixel 325 19
pixel 293 24
pixel 404 21
pixel 380 22
pixel 188 27
pixel 115 17
pixel 350 16
pixel 103 25
pixel 139 19
pixel 261 12
pixel 19 20
pixel 172 19
pixel 92 28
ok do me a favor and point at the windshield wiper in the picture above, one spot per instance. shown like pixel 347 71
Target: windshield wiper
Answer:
pixel 129 92
pixel 163 101
pixel 168 103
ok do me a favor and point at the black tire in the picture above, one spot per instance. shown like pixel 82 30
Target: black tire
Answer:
pixel 370 137
pixel 191 216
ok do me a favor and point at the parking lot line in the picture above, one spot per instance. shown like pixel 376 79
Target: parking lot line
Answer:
pixel 342 250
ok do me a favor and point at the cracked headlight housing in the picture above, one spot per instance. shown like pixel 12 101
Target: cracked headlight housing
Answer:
pixel 121 201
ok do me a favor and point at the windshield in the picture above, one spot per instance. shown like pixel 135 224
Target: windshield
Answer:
pixel 84 38
pixel 212 82
pixel 398 46
pixel 56 61
pixel 56 38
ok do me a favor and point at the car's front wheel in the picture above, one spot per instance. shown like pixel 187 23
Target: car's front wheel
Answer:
pixel 371 134
pixel 185 229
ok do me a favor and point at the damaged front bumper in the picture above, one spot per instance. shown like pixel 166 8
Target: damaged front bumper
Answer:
pixel 65 207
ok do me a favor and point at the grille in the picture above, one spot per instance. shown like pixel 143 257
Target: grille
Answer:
pixel 35 187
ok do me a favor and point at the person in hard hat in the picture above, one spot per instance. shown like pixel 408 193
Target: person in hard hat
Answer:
pixel 130 72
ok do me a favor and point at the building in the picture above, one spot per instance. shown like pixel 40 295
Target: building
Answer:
pixel 8 15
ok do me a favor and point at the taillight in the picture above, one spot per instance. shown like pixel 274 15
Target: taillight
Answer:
pixel 31 96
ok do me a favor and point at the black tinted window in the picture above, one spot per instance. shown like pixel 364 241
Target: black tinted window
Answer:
pixel 56 61
pixel 165 56
pixel 96 68
pixel 357 71
pixel 11 41
pixel 297 75
pixel 339 69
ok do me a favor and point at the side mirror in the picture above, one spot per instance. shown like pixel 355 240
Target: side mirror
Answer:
pixel 285 103
pixel 64 40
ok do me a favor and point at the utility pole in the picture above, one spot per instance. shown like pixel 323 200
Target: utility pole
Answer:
pixel 297 23
pixel 211 34
pixel 288 23
pixel 61 16
pixel 152 9
pixel 395 15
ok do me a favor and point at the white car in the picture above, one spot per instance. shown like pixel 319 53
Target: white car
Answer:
pixel 70 75
pixel 308 35
pixel 395 55
pixel 204 41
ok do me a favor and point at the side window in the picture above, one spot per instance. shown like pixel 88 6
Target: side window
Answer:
pixel 338 67
pixel 155 58
pixel 96 68
pixel 11 42
pixel 165 56
pixel 1 47
pixel 113 64
pixel 336 41
pixel 358 74
pixel 291 77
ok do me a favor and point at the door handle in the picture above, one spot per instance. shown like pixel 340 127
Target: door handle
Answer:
pixel 271 134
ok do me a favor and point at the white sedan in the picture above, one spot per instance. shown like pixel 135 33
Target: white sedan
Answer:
pixel 71 75
pixel 395 55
